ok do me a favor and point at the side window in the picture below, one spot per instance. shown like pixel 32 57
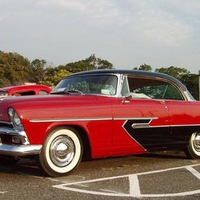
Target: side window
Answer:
pixel 152 88
pixel 26 93
pixel 42 92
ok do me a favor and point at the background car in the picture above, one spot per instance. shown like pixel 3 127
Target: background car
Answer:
pixel 23 90
pixel 98 114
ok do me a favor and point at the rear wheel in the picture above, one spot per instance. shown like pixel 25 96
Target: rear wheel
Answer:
pixel 61 153
pixel 193 149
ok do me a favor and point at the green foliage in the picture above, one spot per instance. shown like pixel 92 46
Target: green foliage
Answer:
pixel 192 83
pixel 38 68
pixel 144 67
pixel 16 70
pixel 98 63
pixel 182 74
pixel 89 63
pixel 53 76
pixel 77 66
pixel 176 72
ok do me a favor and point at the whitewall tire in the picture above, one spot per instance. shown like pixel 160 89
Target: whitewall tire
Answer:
pixel 62 152
pixel 193 149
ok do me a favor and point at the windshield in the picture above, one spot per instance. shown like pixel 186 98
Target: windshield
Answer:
pixel 90 84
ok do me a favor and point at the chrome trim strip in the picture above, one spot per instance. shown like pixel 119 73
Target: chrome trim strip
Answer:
pixel 134 118
pixel 135 125
pixel 178 125
pixel 21 150
pixel 90 119
pixel 70 119
pixel 174 126
pixel 160 126
pixel 140 125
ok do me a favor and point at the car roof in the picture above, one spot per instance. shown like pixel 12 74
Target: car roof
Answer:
pixel 131 72
pixel 21 87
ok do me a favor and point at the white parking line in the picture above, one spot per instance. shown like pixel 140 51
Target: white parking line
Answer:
pixel 111 191
pixel 193 171
pixel 134 185
pixel 3 192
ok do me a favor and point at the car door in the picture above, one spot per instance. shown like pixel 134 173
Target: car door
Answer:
pixel 141 118
pixel 139 125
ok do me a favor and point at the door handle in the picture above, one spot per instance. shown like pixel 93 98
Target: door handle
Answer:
pixel 162 101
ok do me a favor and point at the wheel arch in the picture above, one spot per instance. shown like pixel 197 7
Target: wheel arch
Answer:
pixel 82 133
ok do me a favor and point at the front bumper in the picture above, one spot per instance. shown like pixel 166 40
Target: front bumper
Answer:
pixel 10 132
pixel 16 143
pixel 19 150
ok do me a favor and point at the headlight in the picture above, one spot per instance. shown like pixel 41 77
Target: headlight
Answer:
pixel 15 120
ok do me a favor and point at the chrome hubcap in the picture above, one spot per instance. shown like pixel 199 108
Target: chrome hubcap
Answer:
pixel 196 142
pixel 62 151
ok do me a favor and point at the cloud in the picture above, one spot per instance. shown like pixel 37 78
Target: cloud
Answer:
pixel 90 11
pixel 128 31
pixel 165 30
pixel 157 25
pixel 80 6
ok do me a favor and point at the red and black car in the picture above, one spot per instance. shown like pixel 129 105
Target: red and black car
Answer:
pixel 100 113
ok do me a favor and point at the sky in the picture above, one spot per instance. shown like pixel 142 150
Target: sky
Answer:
pixel 127 33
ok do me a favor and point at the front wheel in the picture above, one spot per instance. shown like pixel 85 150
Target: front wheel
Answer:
pixel 193 148
pixel 61 153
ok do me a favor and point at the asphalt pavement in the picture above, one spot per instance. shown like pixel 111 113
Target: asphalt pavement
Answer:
pixel 164 175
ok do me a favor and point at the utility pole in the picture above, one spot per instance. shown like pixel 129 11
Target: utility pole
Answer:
pixel 199 85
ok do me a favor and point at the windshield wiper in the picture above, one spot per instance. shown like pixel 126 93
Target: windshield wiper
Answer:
pixel 60 92
pixel 75 91
pixel 68 92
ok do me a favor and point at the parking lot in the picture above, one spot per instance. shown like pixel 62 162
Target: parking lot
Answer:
pixel 165 175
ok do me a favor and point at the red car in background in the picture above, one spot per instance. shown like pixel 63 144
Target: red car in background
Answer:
pixel 98 114
pixel 23 90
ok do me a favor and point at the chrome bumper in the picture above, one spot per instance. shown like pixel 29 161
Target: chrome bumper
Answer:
pixel 16 150
pixel 10 131
pixel 19 151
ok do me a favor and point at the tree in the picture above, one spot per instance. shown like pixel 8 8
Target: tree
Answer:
pixel 90 63
pixel 176 72
pixel 53 76
pixel 38 67
pixel 182 74
pixel 104 64
pixel 144 67
pixel 77 66
pixel 14 69
pixel 192 83
pixel 98 63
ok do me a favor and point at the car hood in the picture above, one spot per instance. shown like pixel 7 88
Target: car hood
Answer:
pixel 49 106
